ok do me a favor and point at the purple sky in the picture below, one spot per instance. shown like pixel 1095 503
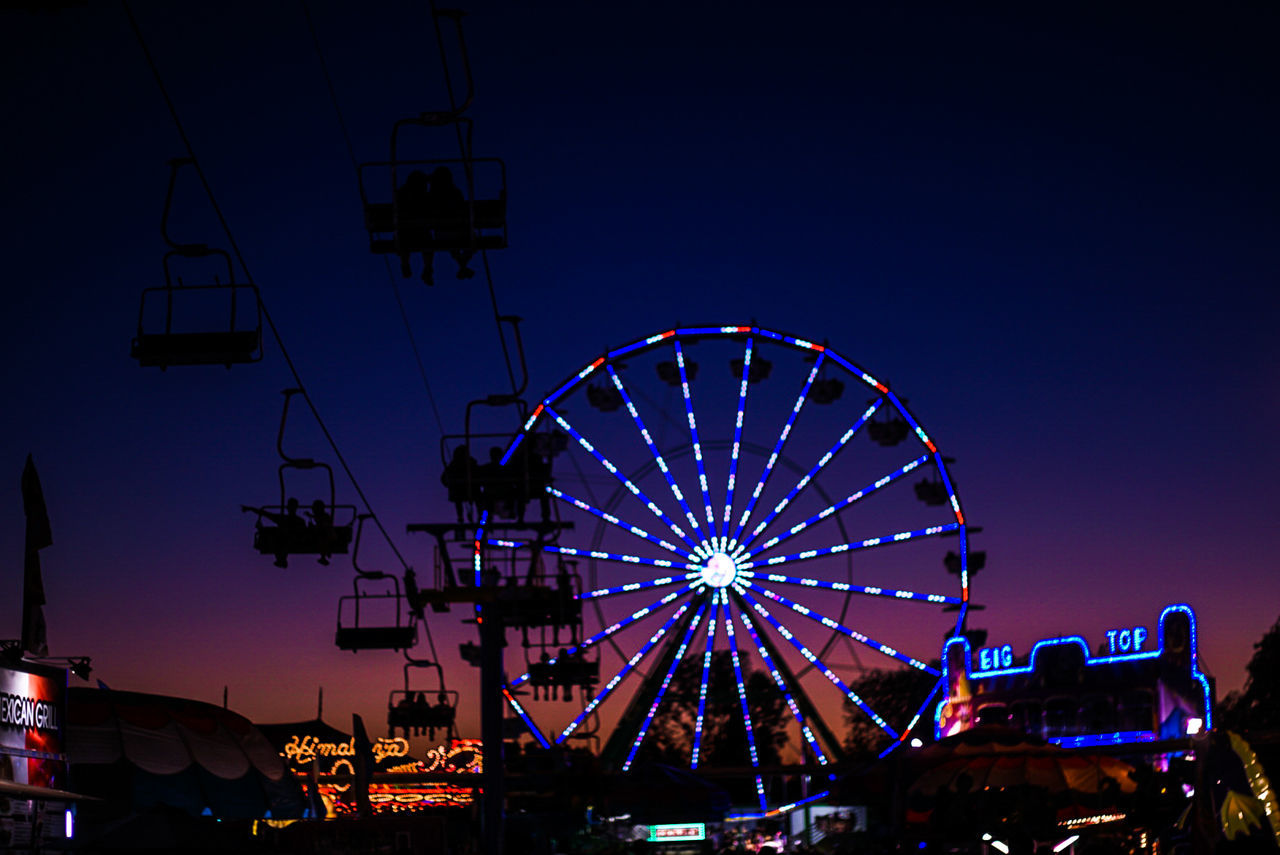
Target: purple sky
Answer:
pixel 1053 235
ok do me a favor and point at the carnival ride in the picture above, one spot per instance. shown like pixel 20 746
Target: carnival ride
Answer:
pixel 678 509
pixel 736 508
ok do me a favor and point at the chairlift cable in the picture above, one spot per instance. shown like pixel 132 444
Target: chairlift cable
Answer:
pixel 465 151
pixel 235 248
pixel 355 167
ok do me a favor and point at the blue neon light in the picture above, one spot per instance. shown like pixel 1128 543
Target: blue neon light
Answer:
pixel 835 508
pixel 616 627
pixel 653 448
pixel 706 675
pixel 626 669
pixel 533 728
pixel 813 658
pixel 817 467
pixel 742 700
pixel 613 520
pixel 1091 661
pixel 737 438
pixel 868 590
pixel 782 687
pixel 846 547
pixel 617 473
pixel 637 586
pixel 693 432
pixel 777 448
pixel 838 627
pixel 666 681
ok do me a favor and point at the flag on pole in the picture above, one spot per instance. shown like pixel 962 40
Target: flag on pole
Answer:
pixel 363 765
pixel 35 638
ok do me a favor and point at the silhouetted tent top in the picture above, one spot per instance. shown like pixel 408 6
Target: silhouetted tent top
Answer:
pixel 138 752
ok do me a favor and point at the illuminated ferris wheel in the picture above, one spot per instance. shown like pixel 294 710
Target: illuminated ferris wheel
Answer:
pixel 738 497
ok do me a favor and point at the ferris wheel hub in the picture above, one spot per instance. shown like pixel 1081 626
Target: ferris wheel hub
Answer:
pixel 719 571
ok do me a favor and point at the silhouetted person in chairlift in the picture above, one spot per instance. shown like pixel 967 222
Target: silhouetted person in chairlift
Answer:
pixel 286 521
pixel 461 479
pixel 495 491
pixel 447 202
pixel 322 521
pixel 413 207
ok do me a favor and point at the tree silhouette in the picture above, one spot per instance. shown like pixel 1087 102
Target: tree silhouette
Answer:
pixel 895 694
pixel 1258 706
pixel 724 734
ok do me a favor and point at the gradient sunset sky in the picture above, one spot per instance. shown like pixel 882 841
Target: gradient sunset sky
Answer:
pixel 1052 231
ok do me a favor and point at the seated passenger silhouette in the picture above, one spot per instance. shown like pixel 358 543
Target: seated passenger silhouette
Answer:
pixel 322 521
pixel 413 230
pixel 447 202
pixel 461 479
pixel 288 522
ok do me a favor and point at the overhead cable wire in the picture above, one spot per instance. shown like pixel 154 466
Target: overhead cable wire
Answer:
pixel 355 167
pixel 235 248
pixel 395 287
pixel 465 149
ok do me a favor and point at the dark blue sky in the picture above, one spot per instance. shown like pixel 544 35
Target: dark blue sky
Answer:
pixel 1053 232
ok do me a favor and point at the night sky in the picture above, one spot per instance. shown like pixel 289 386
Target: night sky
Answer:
pixel 1052 232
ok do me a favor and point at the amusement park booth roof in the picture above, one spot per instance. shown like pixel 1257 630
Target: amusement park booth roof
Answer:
pixel 138 752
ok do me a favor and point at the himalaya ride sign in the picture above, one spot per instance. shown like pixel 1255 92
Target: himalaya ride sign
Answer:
pixel 32 713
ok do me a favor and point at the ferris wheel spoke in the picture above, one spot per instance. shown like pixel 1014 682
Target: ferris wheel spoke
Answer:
pixel 617 473
pixel 868 590
pixel 638 586
pixel 777 448
pixel 614 628
pixel 838 506
pixel 524 714
pixel 838 627
pixel 597 554
pixel 813 658
pixel 610 518
pixel 737 437
pixel 900 537
pixel 693 433
pixel 782 685
pixel 915 719
pixel 702 686
pixel 653 448
pixel 666 681
pixel 742 699
pixel 626 669
pixel 817 467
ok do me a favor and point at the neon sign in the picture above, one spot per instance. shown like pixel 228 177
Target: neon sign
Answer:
pixel 677 833
pixel 1130 691
pixel 304 749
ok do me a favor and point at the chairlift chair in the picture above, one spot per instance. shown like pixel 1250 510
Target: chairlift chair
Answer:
pixel 325 535
pixel 400 635
pixel 421 711
pixel 193 337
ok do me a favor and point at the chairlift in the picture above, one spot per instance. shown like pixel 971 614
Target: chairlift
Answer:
pixel 325 534
pixel 556 677
pixel 188 333
pixel 355 636
pixel 419 711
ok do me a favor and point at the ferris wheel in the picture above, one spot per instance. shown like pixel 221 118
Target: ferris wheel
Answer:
pixel 737 503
